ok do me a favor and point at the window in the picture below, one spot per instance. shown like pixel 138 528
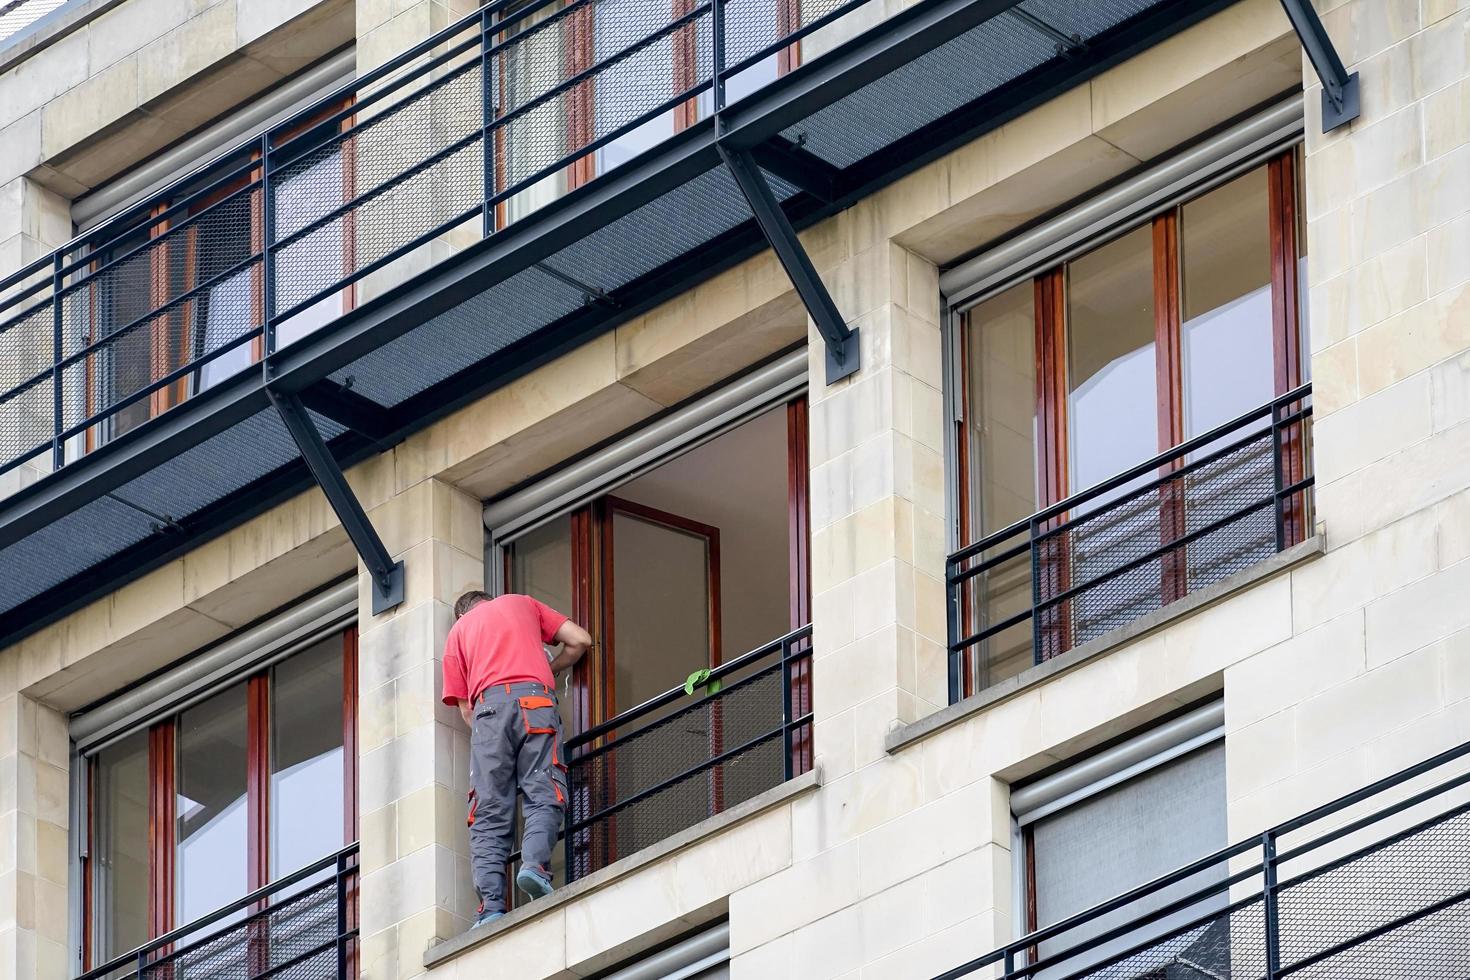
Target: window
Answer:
pixel 688 564
pixel 1117 820
pixel 1069 378
pixel 174 302
pixel 554 42
pixel 233 791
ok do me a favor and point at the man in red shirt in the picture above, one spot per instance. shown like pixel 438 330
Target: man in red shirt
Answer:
pixel 497 672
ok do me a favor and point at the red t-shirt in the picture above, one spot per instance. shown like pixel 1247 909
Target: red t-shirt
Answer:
pixel 499 641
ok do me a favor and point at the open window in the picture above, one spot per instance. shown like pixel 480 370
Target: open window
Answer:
pixel 694 561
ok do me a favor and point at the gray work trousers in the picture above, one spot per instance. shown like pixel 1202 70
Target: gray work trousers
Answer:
pixel 515 745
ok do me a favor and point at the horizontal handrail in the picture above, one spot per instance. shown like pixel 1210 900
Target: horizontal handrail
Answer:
pixel 1270 860
pixel 1261 464
pixel 677 693
pixel 168 225
pixel 1148 466
pixel 338 861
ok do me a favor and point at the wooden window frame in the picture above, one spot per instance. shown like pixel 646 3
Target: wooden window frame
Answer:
pixel 1052 430
pixel 167 353
pixel 579 43
pixel 162 802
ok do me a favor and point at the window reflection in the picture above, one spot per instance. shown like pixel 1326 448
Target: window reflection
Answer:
pixel 1112 405
pixel 1227 327
pixel 211 816
pixel 306 784
pixel 120 847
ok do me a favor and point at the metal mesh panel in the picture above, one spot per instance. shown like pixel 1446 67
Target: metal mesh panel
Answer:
pixel 1231 946
pixel 921 91
pixel 609 257
pixel 393 169
pixel 1377 889
pixel 296 937
pixel 182 486
pixel 1117 533
pixel 27 411
pixel 649 783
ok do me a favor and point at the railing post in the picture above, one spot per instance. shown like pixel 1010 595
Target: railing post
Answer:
pixel 267 262
pixel 487 114
pixel 788 768
pixel 341 917
pixel 1268 893
pixel 1033 531
pixel 1278 502
pixel 952 601
pixel 717 43
pixel 58 451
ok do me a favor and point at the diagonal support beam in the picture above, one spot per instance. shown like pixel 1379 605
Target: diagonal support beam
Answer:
pixel 387 575
pixel 1341 102
pixel 842 341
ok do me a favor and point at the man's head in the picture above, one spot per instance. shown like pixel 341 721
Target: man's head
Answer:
pixel 469 601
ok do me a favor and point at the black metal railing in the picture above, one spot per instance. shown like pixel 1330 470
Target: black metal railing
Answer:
pixel 678 759
pixel 1332 894
pixel 448 142
pixel 302 927
pixel 1102 558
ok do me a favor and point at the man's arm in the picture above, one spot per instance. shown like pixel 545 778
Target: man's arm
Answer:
pixel 574 641
pixel 464 712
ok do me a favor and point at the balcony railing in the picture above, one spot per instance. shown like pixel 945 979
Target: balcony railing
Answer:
pixel 678 759
pixel 1103 558
pixel 447 143
pixel 302 927
pixel 1332 894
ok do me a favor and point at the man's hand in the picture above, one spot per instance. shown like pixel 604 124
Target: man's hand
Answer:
pixel 465 712
pixel 574 641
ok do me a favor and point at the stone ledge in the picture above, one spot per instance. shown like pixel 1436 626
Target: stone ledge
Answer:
pixel 1102 645
pixel 49 29
pixel 440 953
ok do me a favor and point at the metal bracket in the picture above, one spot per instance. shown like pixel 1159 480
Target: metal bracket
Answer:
pixel 349 409
pixel 789 161
pixel 1341 100
pixel 842 342
pixel 387 575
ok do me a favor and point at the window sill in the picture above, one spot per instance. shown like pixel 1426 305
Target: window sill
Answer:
pixel 1101 646
pixel 437 955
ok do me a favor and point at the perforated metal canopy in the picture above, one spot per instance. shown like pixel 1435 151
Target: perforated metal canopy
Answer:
pixel 826 133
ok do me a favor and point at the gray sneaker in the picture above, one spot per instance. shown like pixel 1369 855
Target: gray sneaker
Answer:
pixel 533 881
pixel 485 918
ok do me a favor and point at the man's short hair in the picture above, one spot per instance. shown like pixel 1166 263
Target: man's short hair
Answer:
pixel 468 601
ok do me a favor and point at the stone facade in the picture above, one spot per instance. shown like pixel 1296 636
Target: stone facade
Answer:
pixel 894 859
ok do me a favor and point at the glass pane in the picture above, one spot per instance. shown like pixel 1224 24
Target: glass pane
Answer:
pixel 660 608
pixel 1304 320
pixel 1112 404
pixel 306 789
pixel 211 811
pixel 1003 468
pixel 120 848
pixel 541 567
pixel 636 84
pixel 1225 247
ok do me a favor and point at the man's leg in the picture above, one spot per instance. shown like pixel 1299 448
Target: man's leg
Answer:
pixel 493 750
pixel 543 781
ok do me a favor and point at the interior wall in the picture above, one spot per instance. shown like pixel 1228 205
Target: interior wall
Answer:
pixel 736 483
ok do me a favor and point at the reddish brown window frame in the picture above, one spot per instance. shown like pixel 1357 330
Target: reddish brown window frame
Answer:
pixel 168 354
pixel 162 799
pixel 1052 465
